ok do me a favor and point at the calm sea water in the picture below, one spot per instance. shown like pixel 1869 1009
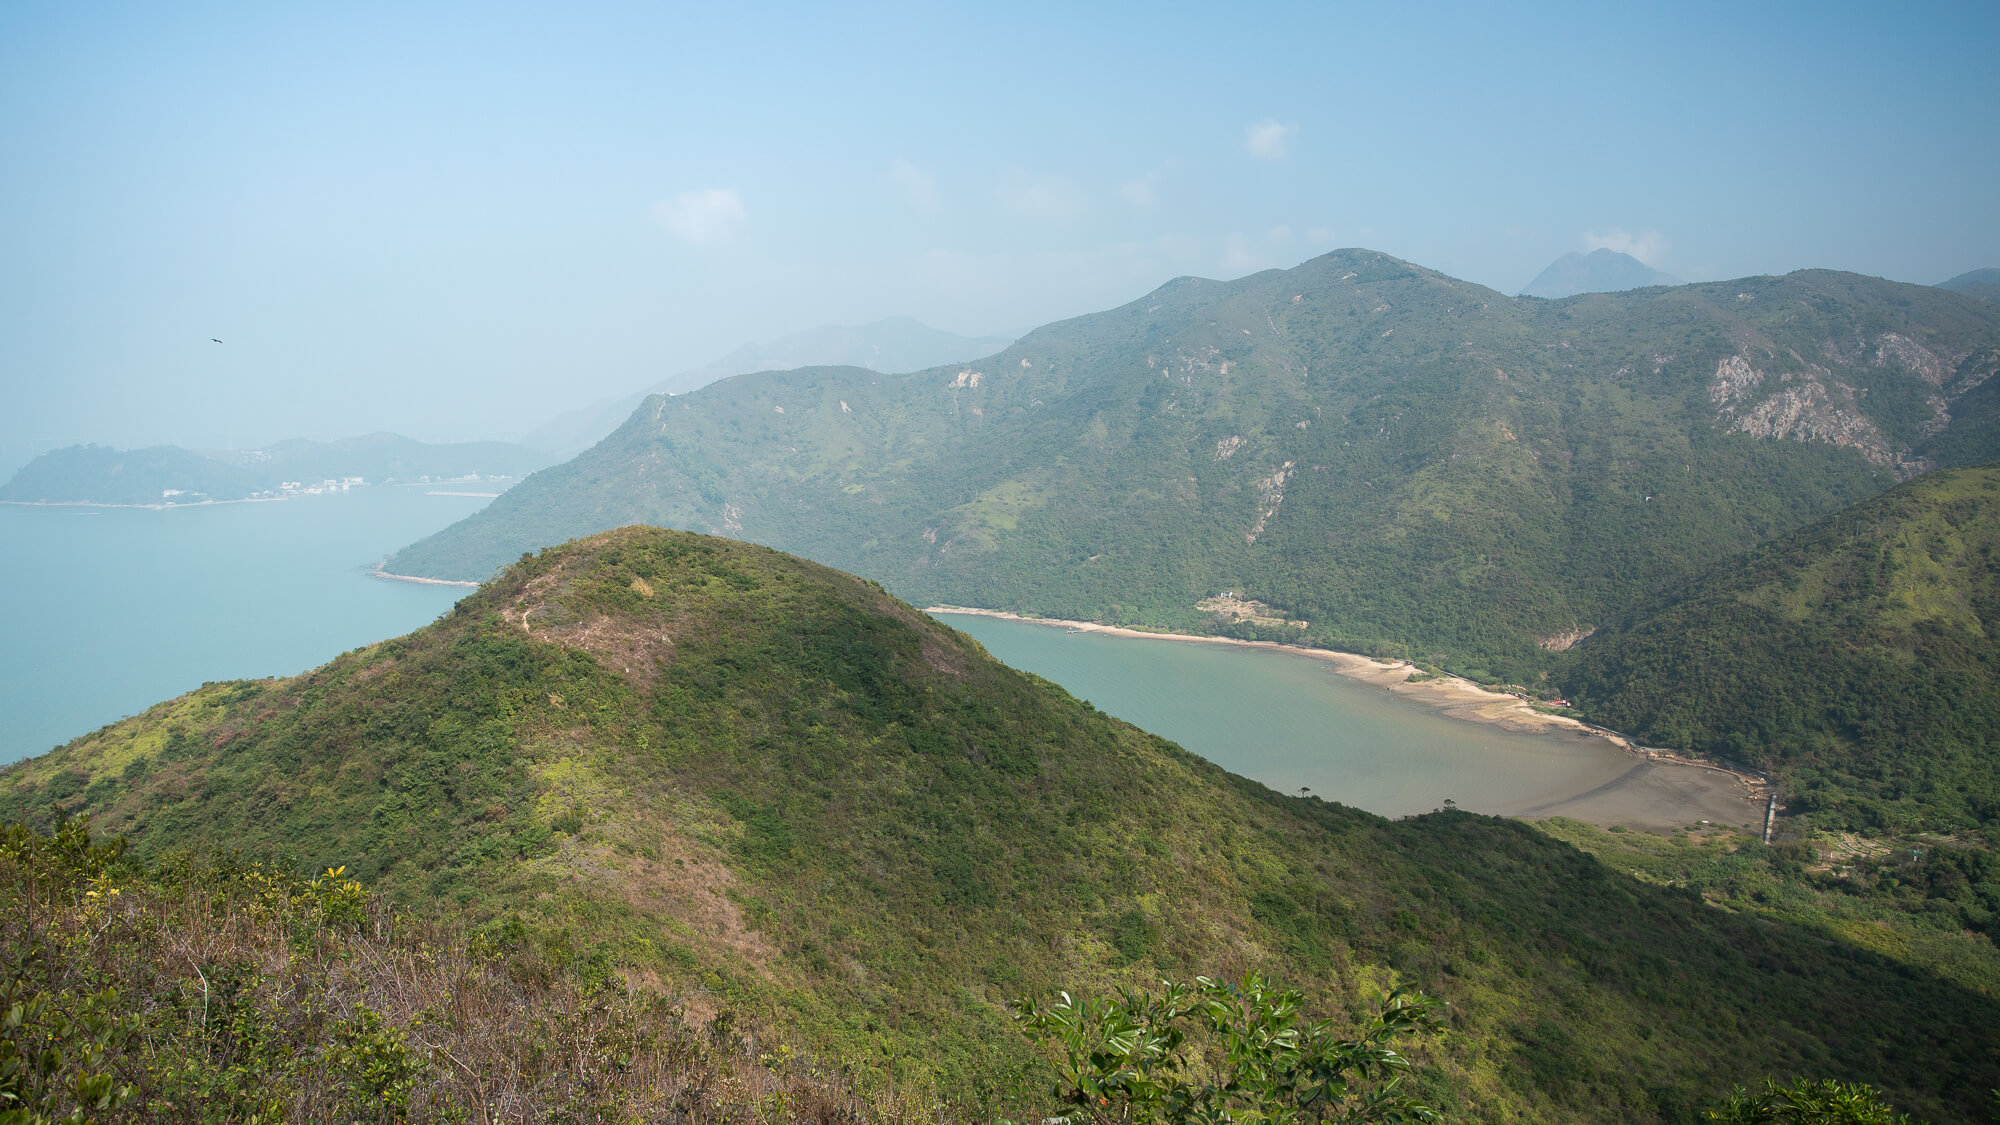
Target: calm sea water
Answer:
pixel 110 610
pixel 1291 721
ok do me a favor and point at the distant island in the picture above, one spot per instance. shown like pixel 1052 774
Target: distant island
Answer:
pixel 167 475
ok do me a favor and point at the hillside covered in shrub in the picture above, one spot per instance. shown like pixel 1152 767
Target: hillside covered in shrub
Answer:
pixel 717 774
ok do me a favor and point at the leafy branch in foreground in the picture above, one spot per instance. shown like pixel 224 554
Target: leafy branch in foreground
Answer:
pixel 1211 1052
pixel 1808 1103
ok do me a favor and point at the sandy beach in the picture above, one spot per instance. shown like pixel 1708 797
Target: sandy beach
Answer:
pixel 1662 791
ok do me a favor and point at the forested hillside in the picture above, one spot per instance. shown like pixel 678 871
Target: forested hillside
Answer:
pixel 1855 658
pixel 1408 462
pixel 736 777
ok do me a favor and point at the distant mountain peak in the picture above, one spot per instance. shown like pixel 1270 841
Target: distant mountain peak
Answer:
pixel 1600 271
pixel 1983 284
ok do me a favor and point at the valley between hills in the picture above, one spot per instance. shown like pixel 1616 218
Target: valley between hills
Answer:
pixel 686 800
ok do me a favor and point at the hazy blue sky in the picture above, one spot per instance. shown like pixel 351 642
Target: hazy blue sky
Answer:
pixel 457 222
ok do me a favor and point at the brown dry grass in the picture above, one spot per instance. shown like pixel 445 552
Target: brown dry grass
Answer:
pixel 247 987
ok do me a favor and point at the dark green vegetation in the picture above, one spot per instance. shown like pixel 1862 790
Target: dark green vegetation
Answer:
pixel 739 779
pixel 1410 463
pixel 171 475
pixel 1929 901
pixel 204 989
pixel 1855 659
pixel 1216 1051
pixel 1828 1102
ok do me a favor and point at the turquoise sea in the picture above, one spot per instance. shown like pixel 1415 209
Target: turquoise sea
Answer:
pixel 110 610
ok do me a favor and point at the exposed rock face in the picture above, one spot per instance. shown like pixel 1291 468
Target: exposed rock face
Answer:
pixel 1733 381
pixel 1567 639
pixel 1894 350
pixel 1810 412
pixel 1815 404
pixel 1270 494
pixel 1805 410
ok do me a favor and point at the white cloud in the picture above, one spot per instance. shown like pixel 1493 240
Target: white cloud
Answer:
pixel 1267 139
pixel 1240 256
pixel 1142 191
pixel 1041 197
pixel 703 217
pixel 1319 236
pixel 1647 246
pixel 1278 235
pixel 917 185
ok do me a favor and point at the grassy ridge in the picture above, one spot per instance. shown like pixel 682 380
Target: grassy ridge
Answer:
pixel 740 778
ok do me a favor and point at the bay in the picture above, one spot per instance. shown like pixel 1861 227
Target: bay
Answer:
pixel 110 610
pixel 1290 721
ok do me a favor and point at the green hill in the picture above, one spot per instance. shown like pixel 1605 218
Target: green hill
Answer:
pixel 1408 462
pixel 1855 658
pixel 746 781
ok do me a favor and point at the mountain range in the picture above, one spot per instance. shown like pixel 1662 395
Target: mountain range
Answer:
pixel 898 343
pixel 1412 464
pixel 701 769
pixel 169 475
pixel 1601 271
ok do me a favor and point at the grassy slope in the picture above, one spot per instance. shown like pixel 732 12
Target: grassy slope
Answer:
pixel 759 783
pixel 1459 472
pixel 1854 657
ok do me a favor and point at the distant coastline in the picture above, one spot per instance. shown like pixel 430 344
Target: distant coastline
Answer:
pixel 302 494
pixel 144 507
pixel 391 577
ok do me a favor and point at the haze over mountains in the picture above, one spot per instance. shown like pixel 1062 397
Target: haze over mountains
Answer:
pixel 1399 458
pixel 1410 464
pixel 898 343
pixel 1601 271
pixel 168 475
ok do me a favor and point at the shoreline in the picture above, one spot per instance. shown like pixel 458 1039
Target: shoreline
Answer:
pixel 142 507
pixel 1449 695
pixel 302 495
pixel 377 572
